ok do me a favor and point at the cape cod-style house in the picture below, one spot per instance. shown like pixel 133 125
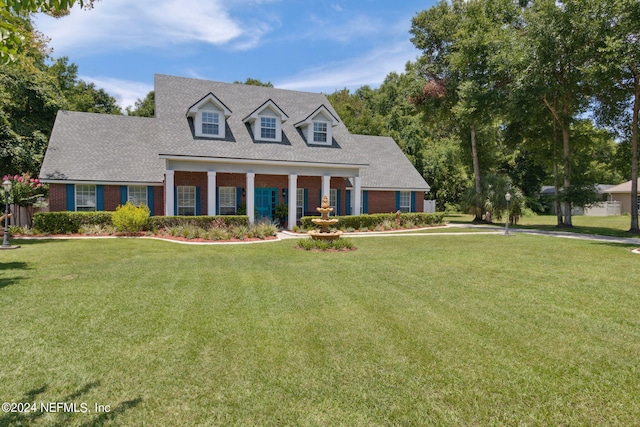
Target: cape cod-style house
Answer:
pixel 217 148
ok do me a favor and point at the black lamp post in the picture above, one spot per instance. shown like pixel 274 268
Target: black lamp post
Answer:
pixel 7 189
pixel 506 224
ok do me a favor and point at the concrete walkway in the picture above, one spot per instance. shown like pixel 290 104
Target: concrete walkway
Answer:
pixel 487 229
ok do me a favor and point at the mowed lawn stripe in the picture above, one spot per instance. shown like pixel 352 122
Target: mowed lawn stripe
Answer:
pixel 408 331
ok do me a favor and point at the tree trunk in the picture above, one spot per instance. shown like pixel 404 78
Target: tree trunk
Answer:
pixel 556 176
pixel 567 174
pixel 634 158
pixel 556 183
pixel 476 174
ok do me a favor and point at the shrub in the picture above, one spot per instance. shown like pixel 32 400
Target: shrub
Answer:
pixel 206 222
pixel 97 229
pixel 371 221
pixel 340 244
pixel 130 218
pixel 262 230
pixel 68 222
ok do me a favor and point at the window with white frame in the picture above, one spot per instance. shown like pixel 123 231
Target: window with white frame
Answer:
pixel 210 123
pixel 405 201
pixel 299 202
pixel 320 132
pixel 227 200
pixel 85 198
pixel 138 195
pixel 268 127
pixel 333 200
pixel 186 200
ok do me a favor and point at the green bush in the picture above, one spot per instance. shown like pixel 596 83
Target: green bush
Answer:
pixel 68 222
pixel 372 221
pixel 158 222
pixel 129 218
pixel 324 245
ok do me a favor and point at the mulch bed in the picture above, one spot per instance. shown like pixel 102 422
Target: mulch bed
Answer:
pixel 141 234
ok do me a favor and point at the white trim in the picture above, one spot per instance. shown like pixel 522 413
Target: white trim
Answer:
pixel 320 115
pixel 275 112
pixel 67 181
pixel 169 199
pixel 416 190
pixel 326 186
pixel 95 197
pixel 211 193
pixel 238 160
pixel 357 196
pixel 292 202
pixel 250 195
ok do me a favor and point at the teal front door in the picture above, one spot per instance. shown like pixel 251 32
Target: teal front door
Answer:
pixel 266 201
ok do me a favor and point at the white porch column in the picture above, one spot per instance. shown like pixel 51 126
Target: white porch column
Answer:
pixel 169 200
pixel 211 193
pixel 251 197
pixel 326 186
pixel 292 202
pixel 357 196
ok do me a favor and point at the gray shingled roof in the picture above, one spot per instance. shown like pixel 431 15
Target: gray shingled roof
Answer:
pixel 102 147
pixel 388 167
pixel 98 147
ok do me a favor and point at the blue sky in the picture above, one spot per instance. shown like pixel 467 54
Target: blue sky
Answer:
pixel 308 45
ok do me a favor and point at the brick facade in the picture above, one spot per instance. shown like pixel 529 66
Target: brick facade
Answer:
pixel 378 201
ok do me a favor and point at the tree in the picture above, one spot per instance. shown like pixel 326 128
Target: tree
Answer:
pixel 11 39
pixel 617 74
pixel 144 107
pixel 254 82
pixel 560 45
pixel 29 100
pixel 461 42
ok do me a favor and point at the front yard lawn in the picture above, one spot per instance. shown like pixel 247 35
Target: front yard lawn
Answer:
pixel 453 330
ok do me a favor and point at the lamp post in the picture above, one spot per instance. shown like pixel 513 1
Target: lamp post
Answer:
pixel 7 189
pixel 506 224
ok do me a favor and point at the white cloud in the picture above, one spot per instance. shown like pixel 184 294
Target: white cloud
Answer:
pixel 368 69
pixel 126 24
pixel 125 92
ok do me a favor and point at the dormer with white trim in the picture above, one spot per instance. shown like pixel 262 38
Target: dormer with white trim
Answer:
pixel 266 122
pixel 209 115
pixel 317 127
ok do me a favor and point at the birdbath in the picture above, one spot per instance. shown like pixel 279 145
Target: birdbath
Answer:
pixel 325 222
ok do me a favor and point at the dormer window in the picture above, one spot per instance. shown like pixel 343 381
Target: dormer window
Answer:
pixel 317 127
pixel 210 123
pixel 208 116
pixel 266 122
pixel 320 132
pixel 268 127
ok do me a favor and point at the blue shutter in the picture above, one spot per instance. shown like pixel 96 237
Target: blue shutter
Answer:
pixel 238 198
pixel 338 210
pixel 99 197
pixel 306 201
pixel 348 202
pixel 397 201
pixel 365 201
pixel 286 196
pixel 175 200
pixel 124 194
pixel 198 201
pixel 413 201
pixel 150 201
pixel 71 197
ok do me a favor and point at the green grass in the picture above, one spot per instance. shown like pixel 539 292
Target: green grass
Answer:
pixel 617 226
pixel 447 330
